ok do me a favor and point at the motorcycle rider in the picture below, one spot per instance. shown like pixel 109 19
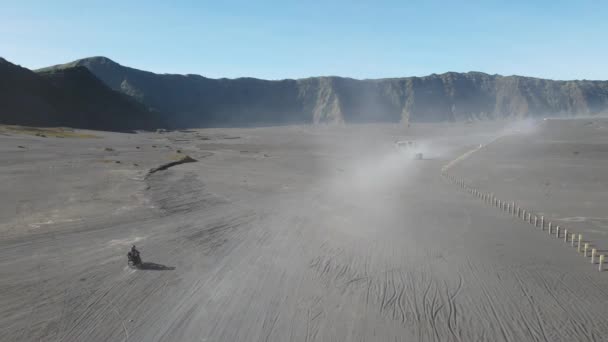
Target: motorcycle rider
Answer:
pixel 133 255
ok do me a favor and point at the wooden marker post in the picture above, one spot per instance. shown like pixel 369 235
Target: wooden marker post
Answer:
pixel 580 239
pixel 601 267
pixel 542 223
pixel 550 227
pixel 557 232
pixel 593 252
pixel 572 238
pixel 566 235
pixel 585 248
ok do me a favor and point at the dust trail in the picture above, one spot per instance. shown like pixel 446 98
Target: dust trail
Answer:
pixel 524 126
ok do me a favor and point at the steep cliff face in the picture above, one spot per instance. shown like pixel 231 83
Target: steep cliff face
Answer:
pixel 25 98
pixel 88 103
pixel 71 96
pixel 191 100
pixel 319 100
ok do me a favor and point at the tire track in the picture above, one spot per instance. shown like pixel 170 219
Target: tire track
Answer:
pixel 539 330
pixel 502 328
pixel 452 315
pixel 579 328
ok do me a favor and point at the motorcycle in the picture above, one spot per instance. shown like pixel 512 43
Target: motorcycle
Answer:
pixel 134 260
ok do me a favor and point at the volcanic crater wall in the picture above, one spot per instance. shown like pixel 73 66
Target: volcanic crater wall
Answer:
pixel 194 101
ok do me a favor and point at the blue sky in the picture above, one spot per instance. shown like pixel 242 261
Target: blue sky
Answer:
pixel 295 39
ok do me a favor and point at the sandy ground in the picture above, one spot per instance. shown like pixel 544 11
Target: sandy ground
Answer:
pixel 287 234
pixel 556 168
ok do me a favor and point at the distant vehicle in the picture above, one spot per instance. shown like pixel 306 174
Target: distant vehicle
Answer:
pixel 404 144
pixel 410 148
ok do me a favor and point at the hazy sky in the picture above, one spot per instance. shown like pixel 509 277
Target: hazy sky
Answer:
pixel 294 39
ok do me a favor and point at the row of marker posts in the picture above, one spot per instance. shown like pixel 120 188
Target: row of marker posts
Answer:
pixel 574 239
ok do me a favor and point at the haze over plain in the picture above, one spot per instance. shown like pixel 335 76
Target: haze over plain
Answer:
pixel 287 206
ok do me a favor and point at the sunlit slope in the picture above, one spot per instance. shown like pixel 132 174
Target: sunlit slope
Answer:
pixel 193 100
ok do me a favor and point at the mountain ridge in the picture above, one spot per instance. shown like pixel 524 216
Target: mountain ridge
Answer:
pixel 195 100
pixel 106 60
pixel 72 97
pixel 190 100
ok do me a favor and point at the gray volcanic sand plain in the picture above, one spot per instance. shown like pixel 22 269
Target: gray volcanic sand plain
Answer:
pixel 556 168
pixel 289 233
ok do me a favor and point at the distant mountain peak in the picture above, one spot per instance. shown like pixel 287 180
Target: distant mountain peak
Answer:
pixel 89 62
pixel 96 60
pixel 70 95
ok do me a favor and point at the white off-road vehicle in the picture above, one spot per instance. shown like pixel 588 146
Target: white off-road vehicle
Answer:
pixel 409 148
